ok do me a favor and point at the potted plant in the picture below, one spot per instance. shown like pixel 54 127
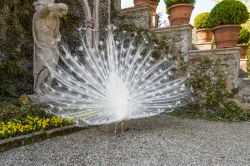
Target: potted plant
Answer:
pixel 243 41
pixel 179 11
pixel 226 18
pixel 203 33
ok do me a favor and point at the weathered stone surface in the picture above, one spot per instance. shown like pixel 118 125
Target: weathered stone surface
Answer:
pixel 243 64
pixel 141 16
pixel 229 60
pixel 243 96
pixel 181 35
pixel 244 89
pixel 202 46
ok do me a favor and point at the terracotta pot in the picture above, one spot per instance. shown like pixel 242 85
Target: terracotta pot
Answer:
pixel 243 50
pixel 180 14
pixel 140 2
pixel 226 35
pixel 153 6
pixel 204 35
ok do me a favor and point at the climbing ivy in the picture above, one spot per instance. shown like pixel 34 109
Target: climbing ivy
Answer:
pixel 211 93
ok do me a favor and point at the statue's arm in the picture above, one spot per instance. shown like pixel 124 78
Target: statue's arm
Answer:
pixel 44 11
pixel 58 8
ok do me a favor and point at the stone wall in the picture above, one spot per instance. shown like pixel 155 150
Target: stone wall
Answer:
pixel 142 16
pixel 243 68
pixel 181 36
pixel 228 60
pixel 243 96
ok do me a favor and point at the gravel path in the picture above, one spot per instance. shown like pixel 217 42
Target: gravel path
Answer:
pixel 161 140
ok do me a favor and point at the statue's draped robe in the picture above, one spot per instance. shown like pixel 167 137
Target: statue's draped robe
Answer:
pixel 45 49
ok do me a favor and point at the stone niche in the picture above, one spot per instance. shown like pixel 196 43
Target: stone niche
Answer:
pixel 229 62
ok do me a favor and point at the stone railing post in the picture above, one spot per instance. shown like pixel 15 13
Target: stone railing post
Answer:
pixel 181 35
pixel 142 15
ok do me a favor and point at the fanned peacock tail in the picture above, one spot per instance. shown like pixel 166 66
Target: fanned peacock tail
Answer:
pixel 110 81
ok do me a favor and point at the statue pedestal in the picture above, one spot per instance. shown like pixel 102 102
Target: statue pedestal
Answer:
pixel 35 99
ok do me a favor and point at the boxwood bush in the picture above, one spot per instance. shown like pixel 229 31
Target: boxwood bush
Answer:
pixel 175 2
pixel 244 35
pixel 201 21
pixel 228 12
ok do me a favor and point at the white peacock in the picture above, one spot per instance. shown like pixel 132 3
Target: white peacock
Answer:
pixel 112 81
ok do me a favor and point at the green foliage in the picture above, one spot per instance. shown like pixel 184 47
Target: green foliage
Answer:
pixel 208 84
pixel 11 112
pixel 71 22
pixel 210 92
pixel 244 35
pixel 175 2
pixel 233 112
pixel 7 89
pixel 201 21
pixel 15 121
pixel 248 62
pixel 185 112
pixel 8 92
pixel 228 12
pixel 16 42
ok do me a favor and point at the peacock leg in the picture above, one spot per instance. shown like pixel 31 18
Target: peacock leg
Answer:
pixel 122 125
pixel 115 128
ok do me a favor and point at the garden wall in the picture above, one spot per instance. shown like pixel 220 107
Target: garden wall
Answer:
pixel 227 61
pixel 142 16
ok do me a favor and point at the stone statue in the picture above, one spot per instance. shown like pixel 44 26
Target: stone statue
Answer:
pixel 46 37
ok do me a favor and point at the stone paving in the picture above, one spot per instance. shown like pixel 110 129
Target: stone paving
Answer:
pixel 161 140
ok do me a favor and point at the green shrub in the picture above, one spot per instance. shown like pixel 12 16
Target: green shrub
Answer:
pixel 248 62
pixel 233 112
pixel 174 2
pixel 244 35
pixel 228 12
pixel 201 21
